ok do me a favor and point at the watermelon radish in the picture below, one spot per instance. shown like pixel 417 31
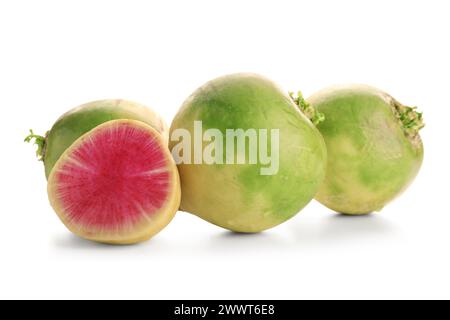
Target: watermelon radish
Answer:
pixel 242 196
pixel 111 177
pixel 374 147
pixel 70 126
pixel 117 183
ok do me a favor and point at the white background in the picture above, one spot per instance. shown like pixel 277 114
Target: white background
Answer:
pixel 55 55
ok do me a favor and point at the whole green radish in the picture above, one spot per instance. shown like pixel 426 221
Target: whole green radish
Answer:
pixel 78 121
pixel 374 147
pixel 241 192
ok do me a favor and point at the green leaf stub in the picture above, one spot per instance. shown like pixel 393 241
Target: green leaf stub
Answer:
pixel 39 141
pixel 308 110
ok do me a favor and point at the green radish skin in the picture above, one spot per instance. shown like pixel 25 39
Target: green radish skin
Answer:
pixel 236 196
pixel 374 149
pixel 80 120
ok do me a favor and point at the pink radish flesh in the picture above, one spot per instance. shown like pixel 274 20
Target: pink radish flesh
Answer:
pixel 117 176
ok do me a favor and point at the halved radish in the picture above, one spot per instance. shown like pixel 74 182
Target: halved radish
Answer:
pixel 117 183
